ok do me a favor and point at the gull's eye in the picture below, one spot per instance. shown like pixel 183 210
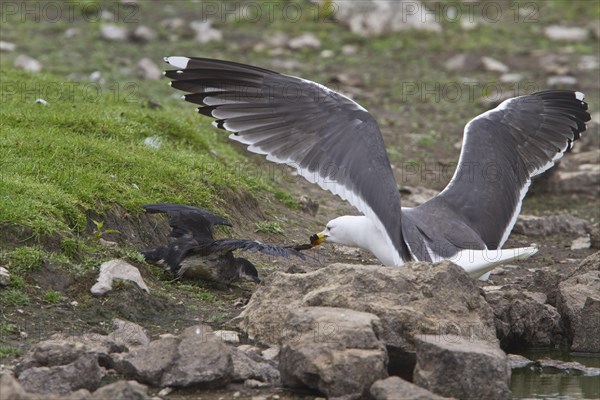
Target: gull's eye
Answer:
pixel 328 227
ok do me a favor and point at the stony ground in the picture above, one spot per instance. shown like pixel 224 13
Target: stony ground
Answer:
pixel 394 75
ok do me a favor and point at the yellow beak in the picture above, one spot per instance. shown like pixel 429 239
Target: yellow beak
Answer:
pixel 317 239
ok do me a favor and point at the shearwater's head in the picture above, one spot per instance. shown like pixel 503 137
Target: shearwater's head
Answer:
pixel 246 270
pixel 341 230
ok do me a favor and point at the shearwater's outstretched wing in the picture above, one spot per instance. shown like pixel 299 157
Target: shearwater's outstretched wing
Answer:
pixel 328 138
pixel 227 245
pixel 195 222
pixel 502 150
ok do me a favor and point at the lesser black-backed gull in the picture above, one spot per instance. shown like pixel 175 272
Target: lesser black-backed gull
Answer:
pixel 335 142
pixel 196 254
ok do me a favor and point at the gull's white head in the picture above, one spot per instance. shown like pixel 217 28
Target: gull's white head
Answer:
pixel 341 230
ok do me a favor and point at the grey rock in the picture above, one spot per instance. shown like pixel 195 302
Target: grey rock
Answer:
pixel 595 235
pixel 463 62
pixel 336 351
pixel 154 142
pixel 205 32
pixel 147 364
pixel 27 63
pixel 518 361
pixel 144 34
pixel 418 298
pixel 122 390
pixel 305 41
pixel 573 34
pixel 589 264
pixel 523 318
pixel 83 373
pixel 581 243
pixel 4 277
pixel 413 196
pixel 250 350
pixel 579 305
pixel 349 50
pixel 492 65
pixel 147 69
pixel 271 353
pixel 72 32
pixel 568 367
pixel 113 33
pixel 227 336
pixel 561 81
pixel 196 358
pixel 277 39
pixel 586 179
pixel 129 334
pixel 512 78
pixel 309 205
pixel 588 62
pixel 117 269
pixel 11 389
pixel 567 225
pixel 395 388
pixel 462 368
pixel 202 360
pixel 377 17
pixel 65 350
pixel 254 384
pixel 7 46
pixel 249 366
pixel 556 64
pixel 176 26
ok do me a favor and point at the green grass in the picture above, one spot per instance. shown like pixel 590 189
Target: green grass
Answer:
pixel 75 155
pixel 16 282
pixel 7 329
pixel 52 297
pixel 286 199
pixel 26 258
pixel 7 351
pixel 205 296
pixel 14 296
pixel 270 227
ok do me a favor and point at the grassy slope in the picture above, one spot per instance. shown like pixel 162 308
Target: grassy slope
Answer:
pixel 84 152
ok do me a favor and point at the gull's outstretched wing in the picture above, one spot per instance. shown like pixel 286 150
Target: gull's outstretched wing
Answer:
pixel 502 150
pixel 328 138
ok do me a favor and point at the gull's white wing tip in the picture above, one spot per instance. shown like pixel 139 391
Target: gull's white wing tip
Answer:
pixel 179 62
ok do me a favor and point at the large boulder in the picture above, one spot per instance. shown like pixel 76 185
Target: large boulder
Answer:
pixel 418 298
pixel 336 351
pixel 532 225
pixel 195 358
pixel 462 368
pixel 579 304
pixel 524 318
pixel 395 388
pixel 82 373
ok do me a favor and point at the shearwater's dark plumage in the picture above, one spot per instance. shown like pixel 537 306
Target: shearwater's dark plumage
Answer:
pixel 196 254
pixel 334 142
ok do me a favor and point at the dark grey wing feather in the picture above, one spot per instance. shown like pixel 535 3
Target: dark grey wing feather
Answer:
pixel 228 245
pixel 502 150
pixel 328 138
pixel 194 222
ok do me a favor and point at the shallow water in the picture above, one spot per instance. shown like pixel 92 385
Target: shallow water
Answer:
pixel 529 384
